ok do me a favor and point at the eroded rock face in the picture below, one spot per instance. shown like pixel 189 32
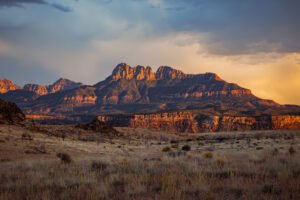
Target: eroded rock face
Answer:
pixel 63 84
pixel 38 89
pixel 7 85
pixel 165 72
pixel 124 71
pixel 59 85
pixel 193 123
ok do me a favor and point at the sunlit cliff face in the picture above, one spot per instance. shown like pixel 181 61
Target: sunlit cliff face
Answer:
pixel 83 40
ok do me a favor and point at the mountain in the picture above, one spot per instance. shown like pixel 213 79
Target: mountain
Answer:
pixel 27 96
pixel 7 85
pixel 139 90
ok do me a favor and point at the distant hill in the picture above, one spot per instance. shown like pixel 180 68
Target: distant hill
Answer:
pixel 10 113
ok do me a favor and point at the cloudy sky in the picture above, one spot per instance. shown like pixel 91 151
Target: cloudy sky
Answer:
pixel 255 43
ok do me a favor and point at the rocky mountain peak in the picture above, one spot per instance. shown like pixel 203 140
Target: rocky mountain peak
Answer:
pixel 125 71
pixel 166 72
pixel 63 84
pixel 38 89
pixel 7 85
pixel 59 85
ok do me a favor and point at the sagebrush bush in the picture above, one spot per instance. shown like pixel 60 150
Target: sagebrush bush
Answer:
pixel 64 157
pixel 166 149
pixel 26 136
pixel 221 161
pixel 292 151
pixel 186 148
pixel 98 166
pixel 208 154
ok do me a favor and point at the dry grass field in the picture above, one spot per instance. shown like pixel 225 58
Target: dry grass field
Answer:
pixel 64 162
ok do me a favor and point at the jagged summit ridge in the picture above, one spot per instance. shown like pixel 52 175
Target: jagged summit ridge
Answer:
pixel 126 72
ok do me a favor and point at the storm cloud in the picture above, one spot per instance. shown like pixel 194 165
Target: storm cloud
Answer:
pixel 20 3
pixel 85 39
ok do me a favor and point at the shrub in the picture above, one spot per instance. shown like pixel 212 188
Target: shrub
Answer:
pixel 174 141
pixel 221 161
pixel 26 136
pixel 275 152
pixel 98 166
pixel 208 155
pixel 166 149
pixel 64 157
pixel 271 189
pixel 292 151
pixel 186 148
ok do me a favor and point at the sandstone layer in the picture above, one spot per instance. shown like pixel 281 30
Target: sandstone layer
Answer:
pixel 193 123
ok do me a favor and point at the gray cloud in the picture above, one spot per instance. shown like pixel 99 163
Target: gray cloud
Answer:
pixel 238 27
pixel 231 27
pixel 8 3
pixel 20 3
pixel 61 7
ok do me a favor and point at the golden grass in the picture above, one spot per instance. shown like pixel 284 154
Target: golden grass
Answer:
pixel 224 166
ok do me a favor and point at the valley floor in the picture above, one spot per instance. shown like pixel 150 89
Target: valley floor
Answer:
pixel 64 162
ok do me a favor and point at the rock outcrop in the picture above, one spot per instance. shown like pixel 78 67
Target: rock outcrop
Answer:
pixel 60 85
pixel 7 85
pixel 126 72
pixel 193 122
pixel 99 126
pixel 165 72
pixel 38 89
pixel 63 84
pixel 10 113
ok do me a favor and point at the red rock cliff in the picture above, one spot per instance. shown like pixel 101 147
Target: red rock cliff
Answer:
pixel 190 122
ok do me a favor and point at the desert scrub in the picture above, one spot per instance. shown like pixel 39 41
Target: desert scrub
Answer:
pixel 166 149
pixel 64 157
pixel 292 151
pixel 221 161
pixel 208 154
pixel 26 136
pixel 275 152
pixel 186 148
pixel 98 166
